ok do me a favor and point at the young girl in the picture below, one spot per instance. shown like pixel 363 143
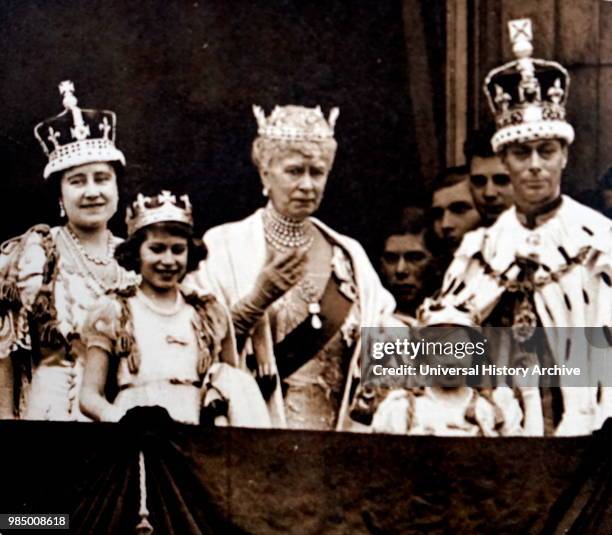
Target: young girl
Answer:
pixel 449 406
pixel 450 411
pixel 160 340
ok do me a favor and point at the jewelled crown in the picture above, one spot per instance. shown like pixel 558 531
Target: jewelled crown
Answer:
pixel 527 96
pixel 160 208
pixel 296 123
pixel 77 136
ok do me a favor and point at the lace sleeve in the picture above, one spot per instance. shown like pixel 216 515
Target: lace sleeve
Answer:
pixel 102 325
pixel 27 266
pixel 33 264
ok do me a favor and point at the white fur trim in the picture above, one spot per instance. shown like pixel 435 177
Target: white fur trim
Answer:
pixel 82 152
pixel 532 131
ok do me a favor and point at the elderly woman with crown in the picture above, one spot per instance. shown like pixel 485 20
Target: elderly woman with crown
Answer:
pixel 547 261
pixel 298 291
pixel 51 277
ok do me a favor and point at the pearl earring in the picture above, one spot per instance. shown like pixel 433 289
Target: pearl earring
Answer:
pixel 265 192
pixel 62 211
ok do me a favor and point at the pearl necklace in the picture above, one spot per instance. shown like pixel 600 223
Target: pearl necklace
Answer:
pixel 110 248
pixel 87 275
pixel 153 307
pixel 284 233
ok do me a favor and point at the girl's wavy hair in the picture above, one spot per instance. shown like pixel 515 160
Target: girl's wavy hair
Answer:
pixel 127 253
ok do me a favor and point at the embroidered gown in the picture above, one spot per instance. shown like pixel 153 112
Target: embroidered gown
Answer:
pixel 313 363
pixel 318 368
pixel 161 357
pixel 47 291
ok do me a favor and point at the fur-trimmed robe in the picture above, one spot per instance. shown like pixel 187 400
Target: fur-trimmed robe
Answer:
pixel 574 242
pixel 237 254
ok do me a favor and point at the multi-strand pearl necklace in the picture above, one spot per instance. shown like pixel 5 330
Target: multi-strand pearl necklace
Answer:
pixel 94 283
pixel 104 261
pixel 284 233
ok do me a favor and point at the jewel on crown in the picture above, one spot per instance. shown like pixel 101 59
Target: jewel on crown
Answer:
pixel 157 209
pixel 527 96
pixel 77 136
pixel 296 123
pixel 80 130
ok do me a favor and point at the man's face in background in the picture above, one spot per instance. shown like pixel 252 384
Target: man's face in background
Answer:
pixel 491 187
pixel 453 213
pixel 403 266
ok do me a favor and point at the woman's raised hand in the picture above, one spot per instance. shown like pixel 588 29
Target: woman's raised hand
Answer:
pixel 281 272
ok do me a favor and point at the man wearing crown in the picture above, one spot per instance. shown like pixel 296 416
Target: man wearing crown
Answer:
pixel 547 261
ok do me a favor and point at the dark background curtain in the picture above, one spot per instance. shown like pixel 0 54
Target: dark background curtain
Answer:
pixel 182 77
pixel 273 481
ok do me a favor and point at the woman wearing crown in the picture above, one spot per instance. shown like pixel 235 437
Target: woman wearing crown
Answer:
pixel 161 342
pixel 51 277
pixel 298 291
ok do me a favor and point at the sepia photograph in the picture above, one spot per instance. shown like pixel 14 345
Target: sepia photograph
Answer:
pixel 325 267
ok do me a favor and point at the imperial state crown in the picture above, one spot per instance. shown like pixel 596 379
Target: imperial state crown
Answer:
pixel 527 96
